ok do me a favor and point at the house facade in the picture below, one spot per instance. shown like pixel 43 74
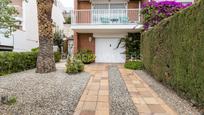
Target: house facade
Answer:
pixel 100 24
pixel 26 37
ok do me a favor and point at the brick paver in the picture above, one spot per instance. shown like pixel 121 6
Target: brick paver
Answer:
pixel 95 99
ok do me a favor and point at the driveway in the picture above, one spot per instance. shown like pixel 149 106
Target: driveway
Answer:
pixel 115 90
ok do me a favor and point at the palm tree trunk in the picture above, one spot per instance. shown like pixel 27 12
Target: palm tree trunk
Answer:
pixel 45 60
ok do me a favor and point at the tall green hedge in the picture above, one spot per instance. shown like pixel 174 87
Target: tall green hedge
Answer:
pixel 11 62
pixel 173 51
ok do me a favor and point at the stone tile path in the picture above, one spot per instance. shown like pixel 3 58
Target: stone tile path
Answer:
pixel 144 98
pixel 95 99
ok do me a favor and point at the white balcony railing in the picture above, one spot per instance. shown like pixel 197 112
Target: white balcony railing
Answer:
pixel 106 16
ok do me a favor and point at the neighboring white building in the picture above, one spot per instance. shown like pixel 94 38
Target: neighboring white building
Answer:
pixel 57 14
pixel 27 37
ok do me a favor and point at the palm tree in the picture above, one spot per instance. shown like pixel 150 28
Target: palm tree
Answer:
pixel 45 60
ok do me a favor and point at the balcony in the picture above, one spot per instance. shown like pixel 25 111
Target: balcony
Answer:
pixel 106 17
pixel 106 20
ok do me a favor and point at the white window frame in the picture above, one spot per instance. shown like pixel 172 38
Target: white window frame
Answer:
pixel 109 4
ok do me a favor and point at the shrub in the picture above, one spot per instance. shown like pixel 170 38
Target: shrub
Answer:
pixel 173 52
pixel 35 50
pixel 132 45
pixel 9 100
pixel 11 62
pixel 58 36
pixel 67 20
pixel 57 56
pixel 86 56
pixel 134 65
pixel 153 12
pixel 74 66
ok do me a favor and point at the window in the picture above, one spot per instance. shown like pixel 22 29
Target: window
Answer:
pixel 100 6
pixel 106 13
pixel 118 6
pixel 110 6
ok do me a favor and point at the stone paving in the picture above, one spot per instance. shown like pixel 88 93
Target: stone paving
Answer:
pixel 95 98
pixel 144 98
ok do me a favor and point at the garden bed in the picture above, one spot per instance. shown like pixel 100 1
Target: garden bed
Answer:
pixel 120 100
pixel 37 94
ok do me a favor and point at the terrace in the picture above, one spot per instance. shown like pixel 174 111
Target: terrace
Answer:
pixel 106 16
pixel 106 19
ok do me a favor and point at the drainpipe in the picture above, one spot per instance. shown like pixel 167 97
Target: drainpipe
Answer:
pixel 139 11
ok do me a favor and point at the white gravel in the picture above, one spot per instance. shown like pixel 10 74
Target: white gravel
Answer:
pixel 120 100
pixel 182 106
pixel 55 93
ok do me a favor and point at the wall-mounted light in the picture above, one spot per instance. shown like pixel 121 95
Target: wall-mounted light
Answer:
pixel 90 39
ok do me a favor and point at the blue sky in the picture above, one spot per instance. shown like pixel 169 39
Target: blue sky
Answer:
pixel 68 3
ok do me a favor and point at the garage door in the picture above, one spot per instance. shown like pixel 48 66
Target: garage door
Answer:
pixel 107 51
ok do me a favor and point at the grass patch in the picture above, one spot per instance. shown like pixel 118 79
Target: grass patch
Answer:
pixel 8 100
pixel 134 65
pixel 12 100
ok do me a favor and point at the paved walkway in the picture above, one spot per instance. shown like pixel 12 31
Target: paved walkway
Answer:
pixel 95 98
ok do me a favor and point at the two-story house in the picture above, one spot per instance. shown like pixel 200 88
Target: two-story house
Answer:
pixel 100 24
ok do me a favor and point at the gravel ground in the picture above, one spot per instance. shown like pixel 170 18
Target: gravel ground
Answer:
pixel 56 93
pixel 180 105
pixel 120 100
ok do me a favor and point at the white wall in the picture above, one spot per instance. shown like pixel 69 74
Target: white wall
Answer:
pixel 57 16
pixel 68 31
pixel 26 39
pixel 22 43
pixel 6 41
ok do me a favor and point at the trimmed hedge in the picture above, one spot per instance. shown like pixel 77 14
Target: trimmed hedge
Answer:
pixel 57 56
pixel 11 62
pixel 173 52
